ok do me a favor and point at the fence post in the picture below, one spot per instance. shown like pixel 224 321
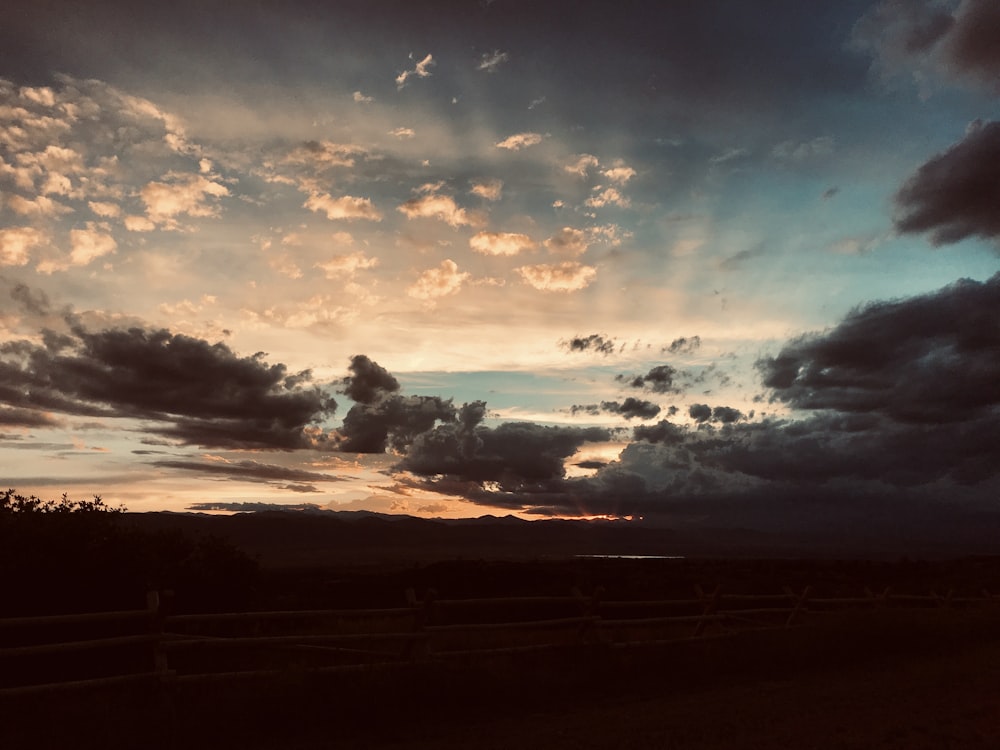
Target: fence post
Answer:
pixel 160 665
pixel 416 648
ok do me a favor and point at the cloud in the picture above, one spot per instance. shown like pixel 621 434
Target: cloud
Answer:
pixel 955 195
pixel 490 190
pixel 368 381
pixel 105 210
pixel 346 207
pixel 403 132
pixel 501 243
pixel 436 206
pixel 928 359
pixel 702 413
pixel 320 156
pixel 595 342
pixel 392 421
pixel 420 70
pixel 40 207
pixel 515 454
pixel 435 283
pixel 184 194
pixel 568 276
pixel 519 141
pixel 568 242
pixel 362 99
pixel 347 264
pixel 659 379
pixel 620 173
pixel 730 154
pixel 582 164
pixel 607 197
pixel 491 61
pixel 803 150
pixel 631 408
pixel 182 388
pixel 932 40
pixel 89 244
pixel 246 470
pixel 16 244
pixel 683 345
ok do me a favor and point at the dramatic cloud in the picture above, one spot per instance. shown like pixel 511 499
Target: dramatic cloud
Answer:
pixel 929 359
pixel 368 381
pixel 184 388
pixel 561 277
pixel 519 141
pixel 501 243
pixel 955 195
pixel 391 422
pixel 438 282
pixel 514 455
pixel 346 207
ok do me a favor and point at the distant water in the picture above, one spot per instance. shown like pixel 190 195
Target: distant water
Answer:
pixel 637 557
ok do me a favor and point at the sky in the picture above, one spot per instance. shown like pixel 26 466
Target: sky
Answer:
pixel 720 262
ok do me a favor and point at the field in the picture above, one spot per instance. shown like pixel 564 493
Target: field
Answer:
pixel 925 677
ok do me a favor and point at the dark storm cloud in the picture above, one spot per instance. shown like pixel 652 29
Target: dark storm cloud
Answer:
pixel 659 379
pixel 956 194
pixel 24 417
pixel 247 470
pixel 515 454
pixel 906 420
pixel 368 381
pixel 186 388
pixel 972 45
pixel 591 409
pixel 928 359
pixel 595 342
pixel 392 421
pixel 700 412
pixel 631 408
pixel 928 36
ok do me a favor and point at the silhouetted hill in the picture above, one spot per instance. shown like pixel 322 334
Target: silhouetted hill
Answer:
pixel 283 538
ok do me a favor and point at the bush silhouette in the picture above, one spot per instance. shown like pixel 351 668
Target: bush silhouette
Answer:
pixel 78 556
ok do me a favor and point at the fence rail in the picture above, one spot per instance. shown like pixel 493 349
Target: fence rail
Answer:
pixel 426 629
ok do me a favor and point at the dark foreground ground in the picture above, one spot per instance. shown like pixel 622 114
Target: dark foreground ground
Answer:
pixel 886 678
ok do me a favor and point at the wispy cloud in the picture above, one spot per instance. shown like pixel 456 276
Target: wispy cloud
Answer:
pixel 420 70
pixel 491 61
pixel 568 276
pixel 346 207
pixel 519 141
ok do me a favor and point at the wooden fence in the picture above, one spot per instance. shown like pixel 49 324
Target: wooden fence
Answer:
pixel 179 649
